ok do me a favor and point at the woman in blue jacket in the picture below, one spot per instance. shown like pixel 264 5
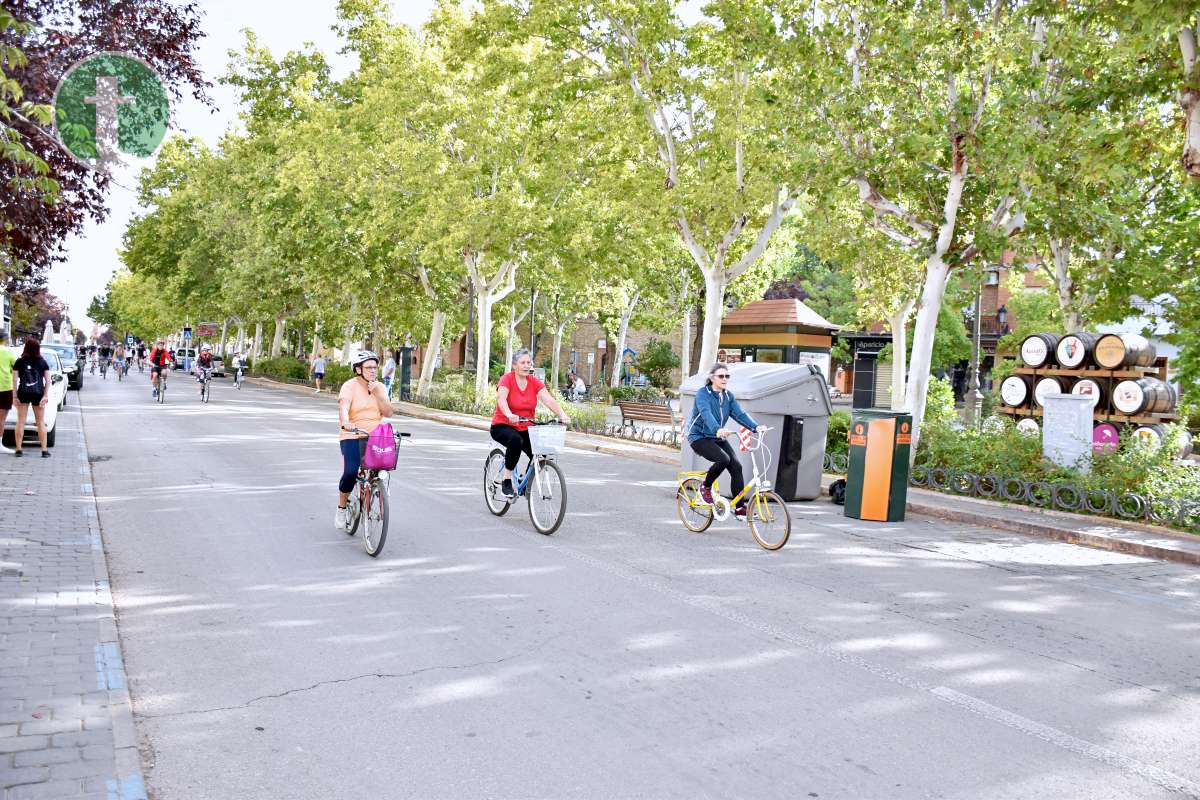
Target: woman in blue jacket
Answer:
pixel 714 406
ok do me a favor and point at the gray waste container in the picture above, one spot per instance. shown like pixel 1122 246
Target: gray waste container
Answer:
pixel 791 398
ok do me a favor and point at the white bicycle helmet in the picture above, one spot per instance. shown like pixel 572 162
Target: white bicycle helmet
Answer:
pixel 205 348
pixel 363 356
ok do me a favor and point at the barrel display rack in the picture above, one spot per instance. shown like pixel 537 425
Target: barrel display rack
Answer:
pixel 1042 356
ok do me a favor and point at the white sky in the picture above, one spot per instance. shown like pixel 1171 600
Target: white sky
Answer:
pixel 280 26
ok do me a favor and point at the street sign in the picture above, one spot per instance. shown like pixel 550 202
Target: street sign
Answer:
pixel 187 334
pixel 591 358
pixel 128 341
pixel 206 329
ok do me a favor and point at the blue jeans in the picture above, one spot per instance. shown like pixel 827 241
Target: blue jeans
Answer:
pixel 353 451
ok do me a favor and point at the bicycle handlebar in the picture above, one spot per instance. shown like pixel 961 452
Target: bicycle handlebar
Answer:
pixel 356 429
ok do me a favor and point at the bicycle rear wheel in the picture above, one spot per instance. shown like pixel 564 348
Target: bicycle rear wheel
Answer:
pixel 493 477
pixel 206 392
pixel 376 523
pixel 547 496
pixel 770 522
pixel 695 514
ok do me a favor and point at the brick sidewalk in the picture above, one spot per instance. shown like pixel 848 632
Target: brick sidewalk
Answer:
pixel 66 727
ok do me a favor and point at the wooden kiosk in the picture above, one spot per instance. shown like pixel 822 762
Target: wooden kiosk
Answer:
pixel 777 332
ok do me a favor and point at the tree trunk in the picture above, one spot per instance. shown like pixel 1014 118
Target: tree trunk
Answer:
pixel 224 333
pixel 685 346
pixel 1064 286
pixel 936 272
pixel 556 357
pixel 483 342
pixel 277 341
pixel 1189 99
pixel 241 339
pixel 316 344
pixel 619 350
pixel 436 328
pixel 697 336
pixel 899 325
pixel 257 341
pixel 714 310
pixel 512 332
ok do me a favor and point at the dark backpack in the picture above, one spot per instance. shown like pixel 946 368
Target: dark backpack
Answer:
pixel 837 491
pixel 32 381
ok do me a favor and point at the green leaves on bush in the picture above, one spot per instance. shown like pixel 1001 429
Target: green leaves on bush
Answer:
pixel 657 360
pixel 838 439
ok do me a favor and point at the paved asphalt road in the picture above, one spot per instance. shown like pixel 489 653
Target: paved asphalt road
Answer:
pixel 270 657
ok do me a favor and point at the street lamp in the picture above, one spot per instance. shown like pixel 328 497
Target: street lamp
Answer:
pixel 1002 318
pixel 974 398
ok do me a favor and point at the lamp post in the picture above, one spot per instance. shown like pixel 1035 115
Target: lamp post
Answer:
pixel 974 396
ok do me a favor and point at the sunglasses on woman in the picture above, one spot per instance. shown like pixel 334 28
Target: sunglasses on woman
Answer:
pixel 722 377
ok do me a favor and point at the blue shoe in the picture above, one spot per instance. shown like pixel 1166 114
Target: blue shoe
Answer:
pixel 153 394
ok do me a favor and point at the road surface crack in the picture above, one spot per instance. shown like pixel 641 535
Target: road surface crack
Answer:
pixel 351 679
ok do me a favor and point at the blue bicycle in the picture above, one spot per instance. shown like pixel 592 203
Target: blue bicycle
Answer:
pixel 541 483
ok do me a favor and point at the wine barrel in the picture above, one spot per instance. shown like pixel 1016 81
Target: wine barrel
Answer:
pixel 1117 350
pixel 1029 426
pixel 1045 386
pixel 1150 435
pixel 1016 391
pixel 1090 387
pixel 1105 437
pixel 1143 396
pixel 1075 349
pixel 1038 350
pixel 1185 449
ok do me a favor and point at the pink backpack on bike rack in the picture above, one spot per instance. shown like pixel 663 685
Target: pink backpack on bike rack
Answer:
pixel 381 448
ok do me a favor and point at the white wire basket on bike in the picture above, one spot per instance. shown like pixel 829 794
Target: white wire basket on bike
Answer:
pixel 547 439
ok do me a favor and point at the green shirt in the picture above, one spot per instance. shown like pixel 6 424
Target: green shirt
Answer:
pixel 7 359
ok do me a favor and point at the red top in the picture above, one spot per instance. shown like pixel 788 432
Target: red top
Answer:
pixel 523 404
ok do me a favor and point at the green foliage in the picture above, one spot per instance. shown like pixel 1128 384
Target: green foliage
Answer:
pixel 952 344
pixel 837 440
pixel 645 394
pixel 284 368
pixel 1034 310
pixel 939 407
pixel 657 360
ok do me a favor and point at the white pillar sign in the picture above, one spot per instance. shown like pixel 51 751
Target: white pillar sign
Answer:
pixel 1067 430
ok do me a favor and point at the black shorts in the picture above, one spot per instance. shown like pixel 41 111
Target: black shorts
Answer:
pixel 154 369
pixel 6 400
pixel 29 398
pixel 318 375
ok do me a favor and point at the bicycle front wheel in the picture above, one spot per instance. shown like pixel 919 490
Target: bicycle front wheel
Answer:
pixel 695 514
pixel 207 391
pixel 162 390
pixel 493 477
pixel 376 522
pixel 354 509
pixel 770 522
pixel 547 495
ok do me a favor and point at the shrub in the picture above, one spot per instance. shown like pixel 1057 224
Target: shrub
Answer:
pixel 586 415
pixel 837 441
pixel 283 368
pixel 336 375
pixel 657 360
pixel 939 403
pixel 645 394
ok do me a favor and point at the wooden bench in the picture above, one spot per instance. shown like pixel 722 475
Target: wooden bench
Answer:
pixel 660 413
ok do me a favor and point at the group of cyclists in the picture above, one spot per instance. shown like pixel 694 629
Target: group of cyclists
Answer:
pixel 363 404
pixel 159 358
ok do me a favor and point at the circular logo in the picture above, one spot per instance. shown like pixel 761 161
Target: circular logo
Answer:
pixel 1014 391
pixel 1029 427
pixel 904 427
pixel 110 104
pixel 1087 388
pixel 1071 351
pixel 858 428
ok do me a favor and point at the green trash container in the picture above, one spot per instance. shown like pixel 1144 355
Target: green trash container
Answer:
pixel 877 479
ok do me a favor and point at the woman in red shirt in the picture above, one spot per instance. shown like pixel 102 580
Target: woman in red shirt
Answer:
pixel 517 396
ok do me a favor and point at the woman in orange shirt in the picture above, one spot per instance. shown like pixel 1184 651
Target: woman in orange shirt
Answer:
pixel 362 405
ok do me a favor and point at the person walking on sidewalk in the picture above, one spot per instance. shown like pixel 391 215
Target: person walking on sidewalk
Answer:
pixel 318 371
pixel 388 375
pixel 31 374
pixel 7 359
pixel 715 404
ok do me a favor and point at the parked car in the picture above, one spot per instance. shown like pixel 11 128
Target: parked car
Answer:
pixel 73 363
pixel 57 401
pixel 184 358
pixel 218 367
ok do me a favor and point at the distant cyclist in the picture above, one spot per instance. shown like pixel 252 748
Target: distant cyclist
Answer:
pixel 119 358
pixel 715 404
pixel 362 405
pixel 160 359
pixel 141 355
pixel 105 355
pixel 517 396
pixel 204 366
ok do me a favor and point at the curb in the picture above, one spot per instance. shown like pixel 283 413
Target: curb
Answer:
pixel 1103 533
pixel 129 783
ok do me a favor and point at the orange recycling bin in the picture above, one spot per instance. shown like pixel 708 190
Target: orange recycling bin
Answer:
pixel 877 479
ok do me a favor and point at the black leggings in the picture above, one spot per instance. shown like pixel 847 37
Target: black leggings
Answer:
pixel 515 442
pixel 721 455
pixel 353 451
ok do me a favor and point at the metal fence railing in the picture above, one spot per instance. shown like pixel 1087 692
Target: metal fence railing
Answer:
pixel 1060 496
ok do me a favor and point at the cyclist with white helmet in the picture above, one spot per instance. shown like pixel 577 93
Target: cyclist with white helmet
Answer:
pixel 362 405
pixel 204 366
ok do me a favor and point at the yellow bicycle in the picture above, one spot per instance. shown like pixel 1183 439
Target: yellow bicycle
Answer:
pixel 770 522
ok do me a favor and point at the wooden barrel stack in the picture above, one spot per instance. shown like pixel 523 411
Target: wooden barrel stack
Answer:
pixel 1122 373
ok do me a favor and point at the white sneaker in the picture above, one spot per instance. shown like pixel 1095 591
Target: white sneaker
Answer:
pixel 341 519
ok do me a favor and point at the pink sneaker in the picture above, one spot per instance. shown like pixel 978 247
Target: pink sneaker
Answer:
pixel 740 511
pixel 706 494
